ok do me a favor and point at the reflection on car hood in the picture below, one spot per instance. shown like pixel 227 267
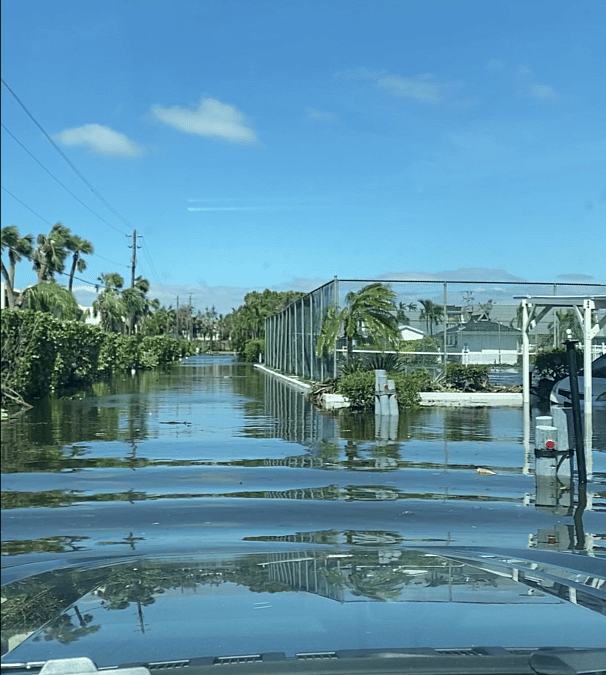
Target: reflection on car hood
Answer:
pixel 304 600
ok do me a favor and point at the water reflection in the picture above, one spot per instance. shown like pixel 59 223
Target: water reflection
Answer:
pixel 215 451
pixel 104 608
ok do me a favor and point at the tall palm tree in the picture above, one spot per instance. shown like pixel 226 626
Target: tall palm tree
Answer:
pixel 111 280
pixel 50 253
pixel 109 305
pixel 52 298
pixel 18 247
pixel 136 303
pixel 77 246
pixel 432 313
pixel 368 315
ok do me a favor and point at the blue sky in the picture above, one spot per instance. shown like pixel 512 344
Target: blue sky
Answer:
pixel 262 144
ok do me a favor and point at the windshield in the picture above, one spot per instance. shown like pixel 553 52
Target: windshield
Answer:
pixel 262 330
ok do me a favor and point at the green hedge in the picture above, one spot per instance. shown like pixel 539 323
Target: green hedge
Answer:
pixel 472 377
pixel 359 387
pixel 41 354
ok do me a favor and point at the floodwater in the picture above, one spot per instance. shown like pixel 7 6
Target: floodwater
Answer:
pixel 213 455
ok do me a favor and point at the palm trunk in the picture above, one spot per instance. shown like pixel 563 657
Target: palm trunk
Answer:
pixel 72 272
pixel 9 287
pixel 349 345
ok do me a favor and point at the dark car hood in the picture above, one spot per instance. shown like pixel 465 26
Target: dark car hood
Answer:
pixel 304 600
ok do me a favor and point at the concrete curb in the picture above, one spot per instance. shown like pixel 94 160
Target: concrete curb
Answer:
pixel 292 381
pixel 470 399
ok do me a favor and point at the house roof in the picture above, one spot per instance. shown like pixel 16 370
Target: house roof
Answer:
pixel 480 323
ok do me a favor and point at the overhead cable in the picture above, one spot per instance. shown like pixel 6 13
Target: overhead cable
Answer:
pixel 67 159
pixel 58 181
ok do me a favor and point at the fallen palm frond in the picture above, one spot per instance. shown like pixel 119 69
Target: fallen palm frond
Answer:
pixel 318 389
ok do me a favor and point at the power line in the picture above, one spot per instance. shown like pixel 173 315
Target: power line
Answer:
pixel 58 181
pixel 149 260
pixel 95 255
pixel 66 158
pixel 66 274
pixel 113 262
pixel 26 206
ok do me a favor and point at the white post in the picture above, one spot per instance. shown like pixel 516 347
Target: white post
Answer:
pixel 525 354
pixel 588 306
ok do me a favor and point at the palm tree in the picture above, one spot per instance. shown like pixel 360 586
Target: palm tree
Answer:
pixel 109 306
pixel 563 321
pixel 369 315
pixel 136 303
pixel 432 313
pixel 18 247
pixel 50 254
pixel 77 246
pixel 111 280
pixel 52 298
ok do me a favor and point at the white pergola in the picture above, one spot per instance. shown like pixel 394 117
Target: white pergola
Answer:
pixel 585 307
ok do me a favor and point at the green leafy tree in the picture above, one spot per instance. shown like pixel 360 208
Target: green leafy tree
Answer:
pixel 248 321
pixel 432 314
pixel 18 247
pixel 368 316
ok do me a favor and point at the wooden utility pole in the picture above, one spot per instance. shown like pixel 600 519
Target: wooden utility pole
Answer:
pixel 133 263
pixel 191 320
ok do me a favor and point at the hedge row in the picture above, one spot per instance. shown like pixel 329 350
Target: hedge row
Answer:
pixel 41 354
pixel 359 386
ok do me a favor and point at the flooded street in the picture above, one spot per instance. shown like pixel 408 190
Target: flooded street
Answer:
pixel 213 455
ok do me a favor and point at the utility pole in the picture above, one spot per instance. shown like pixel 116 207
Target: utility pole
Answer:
pixel 191 319
pixel 133 263
pixel 177 315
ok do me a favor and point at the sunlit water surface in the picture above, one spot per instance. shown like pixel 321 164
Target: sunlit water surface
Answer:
pixel 212 454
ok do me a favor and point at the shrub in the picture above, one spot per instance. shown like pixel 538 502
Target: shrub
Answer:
pixel 359 387
pixel 551 365
pixel 253 349
pixel 353 365
pixel 472 377
pixel 425 344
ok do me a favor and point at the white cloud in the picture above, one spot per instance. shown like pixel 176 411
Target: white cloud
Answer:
pixel 211 118
pixel 576 278
pixel 320 115
pixel 100 139
pixel 420 88
pixel 543 91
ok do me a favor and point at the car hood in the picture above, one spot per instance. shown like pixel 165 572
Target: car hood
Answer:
pixel 296 600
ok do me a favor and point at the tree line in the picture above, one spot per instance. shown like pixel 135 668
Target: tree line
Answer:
pixel 127 311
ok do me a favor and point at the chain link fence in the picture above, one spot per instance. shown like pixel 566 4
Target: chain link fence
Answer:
pixel 466 321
